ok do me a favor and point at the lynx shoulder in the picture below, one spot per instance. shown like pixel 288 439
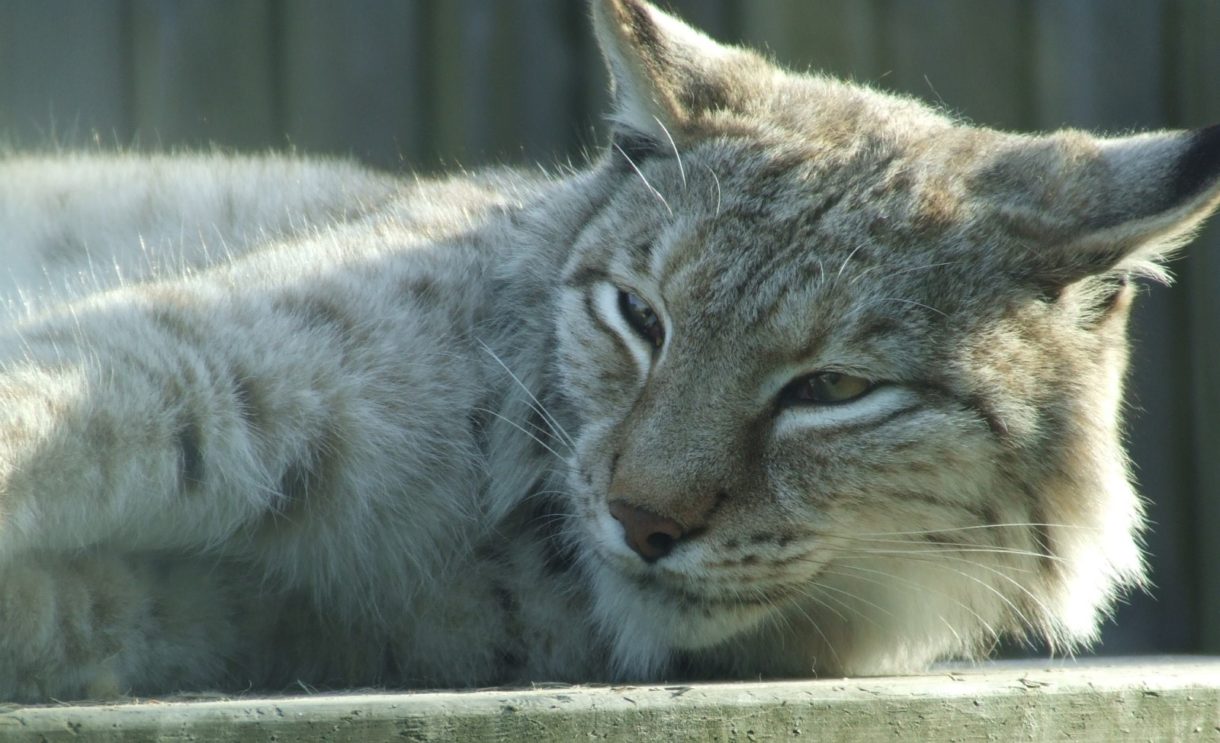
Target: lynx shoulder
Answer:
pixel 795 377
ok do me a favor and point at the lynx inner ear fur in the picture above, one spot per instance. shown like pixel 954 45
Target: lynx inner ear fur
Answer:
pixel 663 72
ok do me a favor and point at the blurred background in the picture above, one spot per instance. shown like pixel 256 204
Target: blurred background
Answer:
pixel 424 85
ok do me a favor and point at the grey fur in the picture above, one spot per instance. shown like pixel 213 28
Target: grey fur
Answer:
pixel 325 426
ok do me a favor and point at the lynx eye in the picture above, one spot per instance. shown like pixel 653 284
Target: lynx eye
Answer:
pixel 641 317
pixel 825 388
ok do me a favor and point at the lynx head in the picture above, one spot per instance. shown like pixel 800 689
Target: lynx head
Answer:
pixel 847 371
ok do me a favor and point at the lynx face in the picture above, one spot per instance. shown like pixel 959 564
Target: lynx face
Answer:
pixel 846 369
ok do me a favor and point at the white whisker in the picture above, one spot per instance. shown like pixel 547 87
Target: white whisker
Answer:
pixel 899 272
pixel 974 527
pixel 914 303
pixel 716 180
pixel 647 185
pixel 847 260
pixel 537 405
pixel 674 145
pixel 523 430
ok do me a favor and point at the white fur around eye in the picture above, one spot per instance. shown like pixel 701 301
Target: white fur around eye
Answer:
pixel 867 410
pixel 605 300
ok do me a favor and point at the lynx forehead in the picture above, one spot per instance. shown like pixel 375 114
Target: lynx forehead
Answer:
pixel 796 378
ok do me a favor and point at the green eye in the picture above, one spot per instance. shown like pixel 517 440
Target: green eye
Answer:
pixel 641 317
pixel 825 388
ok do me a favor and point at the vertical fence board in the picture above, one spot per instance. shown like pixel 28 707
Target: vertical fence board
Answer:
pixel 460 32
pixel 993 88
pixel 544 63
pixel 839 37
pixel 1198 101
pixel 203 72
pixel 62 73
pixel 1101 69
pixel 1095 67
pixel 365 98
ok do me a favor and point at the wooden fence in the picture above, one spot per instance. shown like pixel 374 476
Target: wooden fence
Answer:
pixel 429 84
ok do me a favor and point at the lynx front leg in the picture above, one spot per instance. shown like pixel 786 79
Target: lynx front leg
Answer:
pixel 158 417
pixel 102 433
pixel 101 625
pixel 312 416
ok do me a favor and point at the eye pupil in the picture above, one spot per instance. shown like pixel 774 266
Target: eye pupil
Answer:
pixel 825 388
pixel 641 317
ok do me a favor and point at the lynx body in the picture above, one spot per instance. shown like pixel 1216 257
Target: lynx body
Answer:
pixel 798 378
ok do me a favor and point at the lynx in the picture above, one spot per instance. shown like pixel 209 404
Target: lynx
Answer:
pixel 795 378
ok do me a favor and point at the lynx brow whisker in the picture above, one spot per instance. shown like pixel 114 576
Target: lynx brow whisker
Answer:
pixel 716 180
pixel 915 304
pixel 674 145
pixel 647 185
pixel 847 260
pixel 901 271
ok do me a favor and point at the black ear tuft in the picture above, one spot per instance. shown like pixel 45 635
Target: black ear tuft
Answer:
pixel 1200 165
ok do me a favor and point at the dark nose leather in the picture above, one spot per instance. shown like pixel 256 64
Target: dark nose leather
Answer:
pixel 651 536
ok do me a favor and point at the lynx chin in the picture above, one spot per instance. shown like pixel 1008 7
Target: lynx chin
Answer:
pixel 795 378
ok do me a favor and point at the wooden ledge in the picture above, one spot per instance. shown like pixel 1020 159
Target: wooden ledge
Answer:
pixel 1096 700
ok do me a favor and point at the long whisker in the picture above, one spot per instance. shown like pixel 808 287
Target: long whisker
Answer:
pixel 958 548
pixel 716 180
pixel 975 527
pixel 816 628
pixel 914 303
pixel 647 185
pixel 918 587
pixel 942 549
pixel 523 430
pixel 847 260
pixel 674 145
pixel 537 406
pixel 901 271
pixel 939 563
pixel 845 604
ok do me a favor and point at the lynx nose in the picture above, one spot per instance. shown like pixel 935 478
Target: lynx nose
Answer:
pixel 651 536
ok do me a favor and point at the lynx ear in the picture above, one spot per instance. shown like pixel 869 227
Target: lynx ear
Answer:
pixel 665 75
pixel 1103 205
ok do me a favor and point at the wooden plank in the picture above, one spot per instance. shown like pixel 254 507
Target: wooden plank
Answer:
pixel 969 57
pixel 62 68
pixel 203 73
pixel 1158 700
pixel 352 79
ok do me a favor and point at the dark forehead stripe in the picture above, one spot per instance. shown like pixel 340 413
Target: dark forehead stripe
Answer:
pixel 586 276
pixel 788 251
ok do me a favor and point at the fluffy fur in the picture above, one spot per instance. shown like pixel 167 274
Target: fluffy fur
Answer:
pixel 269 421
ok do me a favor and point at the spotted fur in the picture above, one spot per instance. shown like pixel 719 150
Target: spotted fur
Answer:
pixel 275 421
